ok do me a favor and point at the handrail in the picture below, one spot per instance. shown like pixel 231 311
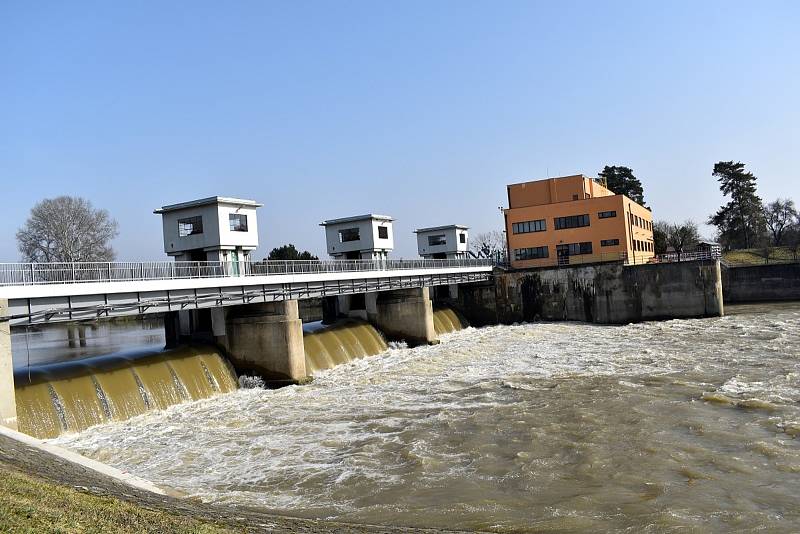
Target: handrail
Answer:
pixel 25 274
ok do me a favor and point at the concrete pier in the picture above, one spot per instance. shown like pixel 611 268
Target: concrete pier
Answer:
pixel 8 402
pixel 403 314
pixel 266 339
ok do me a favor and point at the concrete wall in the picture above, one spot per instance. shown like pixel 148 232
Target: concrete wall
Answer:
pixel 8 403
pixel 600 293
pixel 755 283
pixel 611 293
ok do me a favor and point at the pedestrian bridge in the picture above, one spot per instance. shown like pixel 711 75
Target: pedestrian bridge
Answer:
pixel 40 293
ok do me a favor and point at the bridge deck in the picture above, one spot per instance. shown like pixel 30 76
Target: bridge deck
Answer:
pixel 42 293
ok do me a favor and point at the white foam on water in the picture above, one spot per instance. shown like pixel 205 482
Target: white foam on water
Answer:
pixel 510 425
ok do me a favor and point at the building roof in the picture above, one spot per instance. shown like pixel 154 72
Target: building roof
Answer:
pixel 207 201
pixel 553 178
pixel 369 216
pixel 438 228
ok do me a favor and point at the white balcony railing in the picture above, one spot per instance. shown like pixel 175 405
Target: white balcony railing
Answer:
pixel 17 274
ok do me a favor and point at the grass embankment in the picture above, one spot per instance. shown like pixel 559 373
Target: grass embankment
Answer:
pixel 760 256
pixel 29 504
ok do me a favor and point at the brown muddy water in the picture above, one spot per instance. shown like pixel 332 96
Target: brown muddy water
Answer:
pixel 684 425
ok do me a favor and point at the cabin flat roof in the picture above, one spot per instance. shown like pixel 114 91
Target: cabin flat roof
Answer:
pixel 206 201
pixel 438 228
pixel 369 216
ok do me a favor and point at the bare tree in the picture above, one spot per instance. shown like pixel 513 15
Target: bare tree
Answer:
pixel 661 231
pixel 780 216
pixel 489 245
pixel 683 237
pixel 67 229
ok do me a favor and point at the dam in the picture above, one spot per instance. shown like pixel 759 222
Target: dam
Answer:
pixel 71 396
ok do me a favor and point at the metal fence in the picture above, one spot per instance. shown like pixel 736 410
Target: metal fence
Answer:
pixel 17 274
pixel 673 257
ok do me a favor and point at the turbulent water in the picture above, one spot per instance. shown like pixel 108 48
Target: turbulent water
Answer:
pixel 551 426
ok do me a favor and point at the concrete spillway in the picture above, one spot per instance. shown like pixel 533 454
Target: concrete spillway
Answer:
pixel 73 396
pixel 329 346
pixel 446 321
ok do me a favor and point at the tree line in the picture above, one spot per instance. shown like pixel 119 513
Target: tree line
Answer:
pixel 70 229
pixel 744 222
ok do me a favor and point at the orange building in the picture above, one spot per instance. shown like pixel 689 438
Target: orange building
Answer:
pixel 574 219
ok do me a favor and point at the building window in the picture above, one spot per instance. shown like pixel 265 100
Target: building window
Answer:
pixel 436 240
pixel 349 234
pixel 190 226
pixel 609 242
pixel 573 221
pixel 606 214
pixel 574 197
pixel 574 249
pixel 527 227
pixel 237 222
pixel 383 232
pixel 532 253
pixel 462 238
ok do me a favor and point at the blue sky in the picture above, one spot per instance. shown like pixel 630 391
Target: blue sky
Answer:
pixel 420 110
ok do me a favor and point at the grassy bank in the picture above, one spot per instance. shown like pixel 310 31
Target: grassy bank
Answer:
pixel 29 504
pixel 760 256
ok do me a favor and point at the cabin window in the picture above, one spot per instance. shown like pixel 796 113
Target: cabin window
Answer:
pixel 383 232
pixel 349 234
pixel 237 222
pixel 190 226
pixel 436 240
pixel 462 238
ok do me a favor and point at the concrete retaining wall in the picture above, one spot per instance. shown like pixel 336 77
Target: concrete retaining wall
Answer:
pixel 755 283
pixel 600 293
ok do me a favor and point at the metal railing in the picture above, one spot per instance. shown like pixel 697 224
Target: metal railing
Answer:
pixel 19 274
pixel 674 257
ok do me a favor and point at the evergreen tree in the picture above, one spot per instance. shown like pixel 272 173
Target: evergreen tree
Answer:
pixel 622 181
pixel 289 252
pixel 740 222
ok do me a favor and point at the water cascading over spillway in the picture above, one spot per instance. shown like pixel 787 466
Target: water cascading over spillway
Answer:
pixel 73 396
pixel 330 345
pixel 446 321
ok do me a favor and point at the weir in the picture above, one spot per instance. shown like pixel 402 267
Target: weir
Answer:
pixel 327 346
pixel 72 396
pixel 446 321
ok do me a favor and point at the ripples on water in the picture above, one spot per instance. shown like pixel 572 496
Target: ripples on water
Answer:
pixel 653 426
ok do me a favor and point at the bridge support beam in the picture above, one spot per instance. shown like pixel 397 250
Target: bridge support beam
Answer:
pixel 8 401
pixel 404 314
pixel 266 339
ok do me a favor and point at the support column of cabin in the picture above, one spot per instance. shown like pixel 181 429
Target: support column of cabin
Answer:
pixel 266 339
pixel 403 314
pixel 8 402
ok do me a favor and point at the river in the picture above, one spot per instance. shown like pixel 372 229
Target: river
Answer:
pixel 682 424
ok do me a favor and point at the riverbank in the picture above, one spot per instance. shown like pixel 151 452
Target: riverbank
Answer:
pixel 40 492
